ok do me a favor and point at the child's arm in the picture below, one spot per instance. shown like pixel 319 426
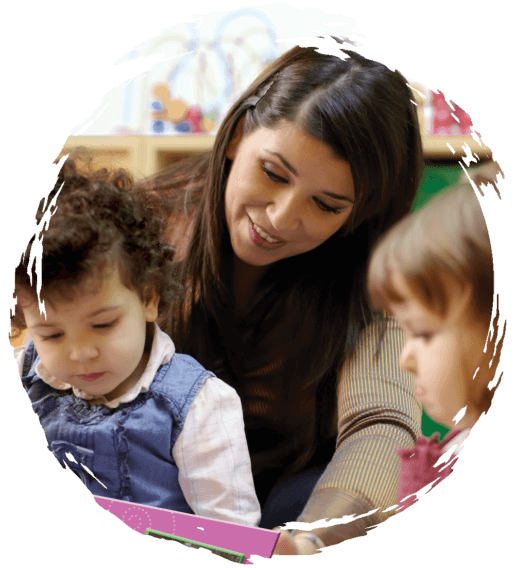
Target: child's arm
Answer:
pixel 213 458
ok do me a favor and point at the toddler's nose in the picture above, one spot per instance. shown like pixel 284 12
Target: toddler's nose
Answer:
pixel 81 353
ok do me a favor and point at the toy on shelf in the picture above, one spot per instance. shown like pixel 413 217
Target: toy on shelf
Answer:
pixel 184 119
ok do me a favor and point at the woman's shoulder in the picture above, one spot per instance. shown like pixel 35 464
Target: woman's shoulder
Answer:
pixel 381 339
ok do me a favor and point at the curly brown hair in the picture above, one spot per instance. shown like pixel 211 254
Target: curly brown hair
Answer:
pixel 97 219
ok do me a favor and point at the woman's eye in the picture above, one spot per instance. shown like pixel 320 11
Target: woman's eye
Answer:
pixel 273 176
pixel 324 207
pixel 279 179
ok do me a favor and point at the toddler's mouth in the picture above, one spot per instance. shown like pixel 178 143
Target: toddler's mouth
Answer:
pixel 91 376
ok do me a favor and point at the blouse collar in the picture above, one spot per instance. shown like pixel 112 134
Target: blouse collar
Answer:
pixel 456 441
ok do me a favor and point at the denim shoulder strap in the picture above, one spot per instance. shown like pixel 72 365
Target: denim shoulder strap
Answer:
pixel 29 360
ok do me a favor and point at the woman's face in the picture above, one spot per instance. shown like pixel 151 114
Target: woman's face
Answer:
pixel 286 194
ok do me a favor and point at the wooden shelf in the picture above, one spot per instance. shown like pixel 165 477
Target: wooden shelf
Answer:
pixel 141 155
pixel 437 147
pixel 146 155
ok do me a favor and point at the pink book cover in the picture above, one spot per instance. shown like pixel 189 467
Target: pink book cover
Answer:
pixel 230 540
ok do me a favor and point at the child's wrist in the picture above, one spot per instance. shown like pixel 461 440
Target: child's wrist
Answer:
pixel 307 542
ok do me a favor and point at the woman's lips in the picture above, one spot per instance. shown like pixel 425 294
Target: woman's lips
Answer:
pixel 262 238
pixel 91 376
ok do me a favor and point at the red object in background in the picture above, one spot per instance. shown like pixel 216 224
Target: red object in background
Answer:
pixel 465 121
pixel 443 122
pixel 193 118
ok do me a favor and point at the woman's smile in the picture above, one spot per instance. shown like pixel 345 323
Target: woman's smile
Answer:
pixel 262 238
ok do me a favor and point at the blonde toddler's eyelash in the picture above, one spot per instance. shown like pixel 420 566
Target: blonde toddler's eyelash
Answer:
pixel 423 336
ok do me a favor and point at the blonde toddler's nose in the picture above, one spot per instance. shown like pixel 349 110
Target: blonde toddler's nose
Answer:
pixel 408 362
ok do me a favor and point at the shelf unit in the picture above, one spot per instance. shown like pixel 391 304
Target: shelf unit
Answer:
pixel 146 155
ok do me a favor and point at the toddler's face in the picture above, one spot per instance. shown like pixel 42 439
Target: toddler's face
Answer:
pixel 444 354
pixel 96 341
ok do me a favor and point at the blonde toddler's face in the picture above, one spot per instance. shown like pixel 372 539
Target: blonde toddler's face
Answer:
pixel 443 353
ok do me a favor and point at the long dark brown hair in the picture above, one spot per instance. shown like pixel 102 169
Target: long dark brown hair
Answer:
pixel 366 114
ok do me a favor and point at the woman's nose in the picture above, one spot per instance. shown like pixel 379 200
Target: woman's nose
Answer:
pixel 83 352
pixel 284 211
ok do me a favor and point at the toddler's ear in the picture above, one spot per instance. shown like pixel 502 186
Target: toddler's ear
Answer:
pixel 151 304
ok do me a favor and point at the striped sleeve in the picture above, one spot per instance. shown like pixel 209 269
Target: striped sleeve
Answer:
pixel 377 414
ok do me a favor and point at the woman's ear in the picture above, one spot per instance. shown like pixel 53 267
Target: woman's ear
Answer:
pixel 235 140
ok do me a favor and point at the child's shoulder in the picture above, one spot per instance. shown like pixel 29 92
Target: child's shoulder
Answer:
pixel 19 357
pixel 25 356
pixel 184 375
pixel 188 361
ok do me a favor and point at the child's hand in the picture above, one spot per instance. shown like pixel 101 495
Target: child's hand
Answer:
pixel 285 544
pixel 298 544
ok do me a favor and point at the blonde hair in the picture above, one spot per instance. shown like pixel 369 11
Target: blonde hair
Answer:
pixel 446 239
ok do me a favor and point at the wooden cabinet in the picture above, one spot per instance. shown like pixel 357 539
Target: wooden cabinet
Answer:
pixel 146 155
pixel 141 155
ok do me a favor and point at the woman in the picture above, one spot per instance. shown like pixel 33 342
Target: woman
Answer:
pixel 273 229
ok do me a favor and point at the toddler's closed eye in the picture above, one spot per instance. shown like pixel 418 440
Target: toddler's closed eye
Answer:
pixel 105 325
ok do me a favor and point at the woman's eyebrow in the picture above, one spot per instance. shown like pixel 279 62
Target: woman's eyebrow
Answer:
pixel 338 196
pixel 286 164
pixel 289 167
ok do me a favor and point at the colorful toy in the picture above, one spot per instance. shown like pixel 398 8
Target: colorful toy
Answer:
pixel 175 111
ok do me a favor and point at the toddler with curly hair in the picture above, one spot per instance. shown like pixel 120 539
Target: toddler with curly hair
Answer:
pixel 132 418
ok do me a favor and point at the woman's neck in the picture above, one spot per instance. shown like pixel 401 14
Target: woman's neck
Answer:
pixel 246 279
